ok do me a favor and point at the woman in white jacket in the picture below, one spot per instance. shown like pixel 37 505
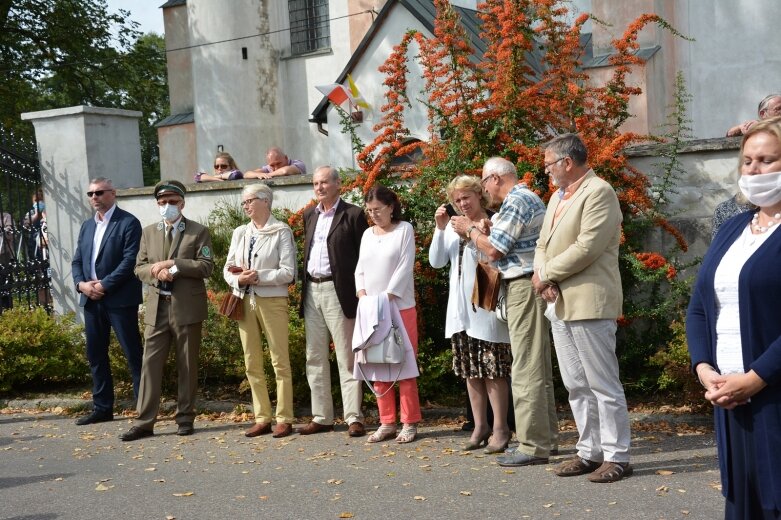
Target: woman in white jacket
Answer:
pixel 261 264
pixel 480 342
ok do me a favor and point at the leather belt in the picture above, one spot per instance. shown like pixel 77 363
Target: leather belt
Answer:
pixel 322 279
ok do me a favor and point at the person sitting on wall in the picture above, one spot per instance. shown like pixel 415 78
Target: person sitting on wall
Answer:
pixel 225 169
pixel 768 107
pixel 278 165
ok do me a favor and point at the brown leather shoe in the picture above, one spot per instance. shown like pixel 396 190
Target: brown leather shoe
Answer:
pixel 282 430
pixel 610 472
pixel 261 428
pixel 314 427
pixel 356 429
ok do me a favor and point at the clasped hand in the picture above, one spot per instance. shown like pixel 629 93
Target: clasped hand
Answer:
pixel 92 289
pixel 248 277
pixel 730 390
pixel 160 270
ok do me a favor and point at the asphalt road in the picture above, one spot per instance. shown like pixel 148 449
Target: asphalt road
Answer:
pixel 52 469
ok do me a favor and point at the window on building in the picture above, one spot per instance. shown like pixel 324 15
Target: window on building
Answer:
pixel 309 26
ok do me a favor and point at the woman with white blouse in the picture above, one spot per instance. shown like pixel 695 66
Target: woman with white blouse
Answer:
pixel 385 265
pixel 480 342
pixel 261 264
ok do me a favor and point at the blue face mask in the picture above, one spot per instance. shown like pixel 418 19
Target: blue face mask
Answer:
pixel 41 206
pixel 169 212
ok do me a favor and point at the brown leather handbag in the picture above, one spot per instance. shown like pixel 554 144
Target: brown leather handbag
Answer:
pixel 488 282
pixel 231 307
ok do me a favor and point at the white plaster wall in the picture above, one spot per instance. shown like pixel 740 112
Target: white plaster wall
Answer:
pixel 235 99
pixel 369 82
pixel 178 62
pixel 734 62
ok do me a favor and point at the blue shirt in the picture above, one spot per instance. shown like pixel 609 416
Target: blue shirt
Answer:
pixel 516 230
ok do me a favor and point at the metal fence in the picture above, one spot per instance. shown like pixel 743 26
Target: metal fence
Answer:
pixel 24 258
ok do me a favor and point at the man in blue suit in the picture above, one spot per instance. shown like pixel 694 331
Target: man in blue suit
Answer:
pixel 109 292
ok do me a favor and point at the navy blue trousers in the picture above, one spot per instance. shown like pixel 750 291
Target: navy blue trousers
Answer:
pixel 99 320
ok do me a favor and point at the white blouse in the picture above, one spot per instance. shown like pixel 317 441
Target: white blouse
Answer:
pixel 385 264
pixel 480 324
pixel 729 350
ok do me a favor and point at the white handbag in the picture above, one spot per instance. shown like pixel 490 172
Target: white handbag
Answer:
pixel 501 308
pixel 389 350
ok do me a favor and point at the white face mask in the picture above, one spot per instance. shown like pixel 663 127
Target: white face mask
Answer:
pixel 169 212
pixel 763 189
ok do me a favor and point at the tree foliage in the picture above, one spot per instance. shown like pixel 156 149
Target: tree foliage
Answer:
pixel 58 53
pixel 528 87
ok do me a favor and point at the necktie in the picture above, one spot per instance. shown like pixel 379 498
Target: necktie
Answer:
pixel 168 239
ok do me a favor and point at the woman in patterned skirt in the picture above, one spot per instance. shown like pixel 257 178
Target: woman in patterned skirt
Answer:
pixel 481 343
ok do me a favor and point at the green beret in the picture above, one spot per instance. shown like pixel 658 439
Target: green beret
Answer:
pixel 169 186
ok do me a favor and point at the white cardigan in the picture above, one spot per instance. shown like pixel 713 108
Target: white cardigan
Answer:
pixel 273 257
pixel 481 324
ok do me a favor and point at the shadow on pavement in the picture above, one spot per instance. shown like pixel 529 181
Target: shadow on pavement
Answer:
pixel 9 482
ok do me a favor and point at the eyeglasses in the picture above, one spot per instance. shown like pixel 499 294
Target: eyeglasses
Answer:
pixel 97 193
pixel 548 165
pixel 376 211
pixel 247 202
pixel 483 181
pixel 221 166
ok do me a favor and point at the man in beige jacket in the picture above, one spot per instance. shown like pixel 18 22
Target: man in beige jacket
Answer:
pixel 576 271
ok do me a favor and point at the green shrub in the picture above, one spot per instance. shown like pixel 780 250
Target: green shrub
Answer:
pixel 675 364
pixel 36 347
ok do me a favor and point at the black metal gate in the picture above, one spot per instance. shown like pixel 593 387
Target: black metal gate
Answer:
pixel 24 255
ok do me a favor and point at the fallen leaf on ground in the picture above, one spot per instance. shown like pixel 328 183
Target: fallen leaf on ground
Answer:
pixel 103 487
pixel 465 493
pixel 664 472
pixel 346 514
pixel 185 494
pixel 418 497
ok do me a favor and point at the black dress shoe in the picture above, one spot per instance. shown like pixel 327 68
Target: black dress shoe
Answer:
pixel 95 417
pixel 186 428
pixel 135 433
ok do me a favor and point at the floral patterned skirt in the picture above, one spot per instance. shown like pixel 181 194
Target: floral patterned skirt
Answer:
pixel 476 358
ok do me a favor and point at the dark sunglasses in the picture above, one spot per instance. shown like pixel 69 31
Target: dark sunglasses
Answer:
pixel 221 166
pixel 98 193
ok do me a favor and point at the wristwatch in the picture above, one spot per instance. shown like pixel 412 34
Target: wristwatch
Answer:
pixel 173 270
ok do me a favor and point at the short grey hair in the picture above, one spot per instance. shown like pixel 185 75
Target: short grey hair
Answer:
pixel 261 191
pixel 331 172
pixel 569 145
pixel 765 102
pixel 499 166
pixel 102 180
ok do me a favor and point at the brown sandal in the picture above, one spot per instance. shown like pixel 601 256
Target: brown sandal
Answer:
pixel 576 466
pixel 611 472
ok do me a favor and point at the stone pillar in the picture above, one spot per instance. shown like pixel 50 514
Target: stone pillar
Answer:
pixel 76 144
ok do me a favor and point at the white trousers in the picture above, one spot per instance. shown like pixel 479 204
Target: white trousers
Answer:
pixel 586 350
pixel 324 321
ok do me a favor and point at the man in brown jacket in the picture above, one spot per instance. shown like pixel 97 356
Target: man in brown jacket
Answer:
pixel 174 259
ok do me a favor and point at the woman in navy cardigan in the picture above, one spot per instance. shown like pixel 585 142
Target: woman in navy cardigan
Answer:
pixel 733 327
